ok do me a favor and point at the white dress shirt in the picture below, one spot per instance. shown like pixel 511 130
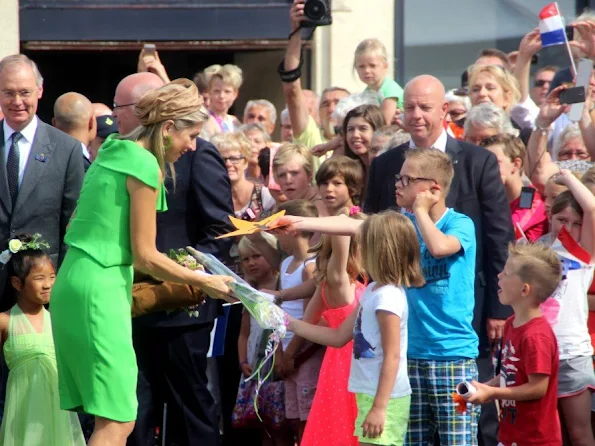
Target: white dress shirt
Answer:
pixel 439 144
pixel 86 153
pixel 24 144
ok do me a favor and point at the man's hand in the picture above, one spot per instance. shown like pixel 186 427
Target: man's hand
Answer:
pixel 482 395
pixel 296 14
pixel 552 108
pixel 424 201
pixel 152 64
pixel 495 329
pixel 374 423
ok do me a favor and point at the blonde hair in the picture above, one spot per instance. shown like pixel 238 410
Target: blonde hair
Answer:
pixel 288 151
pixel 390 250
pixel 433 163
pixel 504 78
pixel 247 246
pixel 538 265
pixel 370 46
pixel 177 101
pixel 226 142
pixel 324 250
pixel 229 74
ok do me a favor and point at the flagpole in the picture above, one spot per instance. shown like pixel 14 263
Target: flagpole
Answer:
pixel 572 64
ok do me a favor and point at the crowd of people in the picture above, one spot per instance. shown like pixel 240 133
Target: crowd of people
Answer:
pixel 434 261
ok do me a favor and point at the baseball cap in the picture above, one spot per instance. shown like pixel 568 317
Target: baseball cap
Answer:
pixel 106 125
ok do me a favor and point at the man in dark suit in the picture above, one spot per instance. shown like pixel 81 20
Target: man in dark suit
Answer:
pixel 172 348
pixel 477 192
pixel 73 114
pixel 41 168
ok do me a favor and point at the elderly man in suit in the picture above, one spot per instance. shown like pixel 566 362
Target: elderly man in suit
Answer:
pixel 476 191
pixel 172 348
pixel 41 168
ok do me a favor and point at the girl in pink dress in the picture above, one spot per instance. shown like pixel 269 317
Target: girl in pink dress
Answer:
pixel 332 417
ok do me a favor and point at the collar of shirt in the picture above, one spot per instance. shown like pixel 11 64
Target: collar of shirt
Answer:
pixel 85 151
pixel 439 144
pixel 28 132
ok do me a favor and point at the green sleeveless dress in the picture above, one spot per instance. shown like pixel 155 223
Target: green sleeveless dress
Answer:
pixel 32 414
pixel 92 295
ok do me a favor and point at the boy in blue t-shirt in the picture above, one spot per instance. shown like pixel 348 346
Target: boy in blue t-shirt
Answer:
pixel 442 342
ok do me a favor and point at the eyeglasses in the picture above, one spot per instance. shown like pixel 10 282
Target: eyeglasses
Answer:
pixel 234 160
pixel 573 154
pixel 9 95
pixel 540 83
pixel 406 179
pixel 115 106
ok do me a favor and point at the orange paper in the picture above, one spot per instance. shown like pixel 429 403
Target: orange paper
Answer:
pixel 460 402
pixel 244 227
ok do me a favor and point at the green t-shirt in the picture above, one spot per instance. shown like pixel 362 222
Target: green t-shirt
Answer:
pixel 389 90
pixel 310 137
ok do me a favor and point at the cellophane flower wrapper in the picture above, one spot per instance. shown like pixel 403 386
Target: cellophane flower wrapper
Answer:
pixel 265 312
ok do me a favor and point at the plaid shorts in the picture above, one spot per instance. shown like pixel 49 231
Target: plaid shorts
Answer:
pixel 432 408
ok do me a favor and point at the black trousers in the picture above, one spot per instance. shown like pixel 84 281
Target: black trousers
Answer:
pixel 172 365
pixel 488 420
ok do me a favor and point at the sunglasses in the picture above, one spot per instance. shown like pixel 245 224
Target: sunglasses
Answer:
pixel 540 83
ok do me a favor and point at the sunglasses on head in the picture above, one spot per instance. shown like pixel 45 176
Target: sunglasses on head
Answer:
pixel 540 82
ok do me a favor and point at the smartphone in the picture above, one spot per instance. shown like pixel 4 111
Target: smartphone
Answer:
pixel 583 76
pixel 149 49
pixel 572 95
pixel 526 201
pixel 569 32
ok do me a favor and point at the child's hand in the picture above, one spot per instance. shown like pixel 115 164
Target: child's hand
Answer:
pixel 288 365
pixel 424 201
pixel 374 423
pixel 288 224
pixel 246 369
pixel 482 395
pixel 562 177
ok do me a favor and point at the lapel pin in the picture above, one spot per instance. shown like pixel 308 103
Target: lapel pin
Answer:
pixel 40 157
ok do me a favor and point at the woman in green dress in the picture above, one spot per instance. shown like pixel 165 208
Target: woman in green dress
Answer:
pixel 112 229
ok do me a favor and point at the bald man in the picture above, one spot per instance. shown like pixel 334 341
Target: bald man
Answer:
pixel 100 109
pixel 128 92
pixel 477 192
pixel 73 114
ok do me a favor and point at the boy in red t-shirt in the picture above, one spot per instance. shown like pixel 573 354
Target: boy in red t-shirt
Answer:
pixel 528 382
pixel 531 216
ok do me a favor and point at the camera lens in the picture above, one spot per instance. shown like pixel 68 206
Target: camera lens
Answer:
pixel 315 9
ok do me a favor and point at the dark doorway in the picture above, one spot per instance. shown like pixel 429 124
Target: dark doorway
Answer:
pixel 96 74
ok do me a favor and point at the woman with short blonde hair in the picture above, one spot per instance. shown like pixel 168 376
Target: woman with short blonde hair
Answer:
pixel 492 83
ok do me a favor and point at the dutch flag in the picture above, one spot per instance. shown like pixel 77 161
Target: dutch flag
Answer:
pixel 551 26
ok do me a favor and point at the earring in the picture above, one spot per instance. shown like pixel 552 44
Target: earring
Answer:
pixel 167 142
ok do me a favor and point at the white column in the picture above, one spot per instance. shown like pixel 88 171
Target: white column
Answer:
pixel 334 45
pixel 9 27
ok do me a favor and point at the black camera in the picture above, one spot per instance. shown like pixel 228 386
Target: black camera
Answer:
pixel 317 13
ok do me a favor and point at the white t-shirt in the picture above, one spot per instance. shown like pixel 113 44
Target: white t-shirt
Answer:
pixel 567 310
pixel 368 355
pixel 294 308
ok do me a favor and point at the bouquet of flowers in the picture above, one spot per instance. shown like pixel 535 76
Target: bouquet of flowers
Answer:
pixel 266 313
pixel 181 257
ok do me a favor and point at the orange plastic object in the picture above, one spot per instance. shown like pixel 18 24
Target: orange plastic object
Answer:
pixel 460 402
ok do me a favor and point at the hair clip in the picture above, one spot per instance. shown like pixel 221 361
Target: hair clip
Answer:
pixel 354 210
pixel 40 157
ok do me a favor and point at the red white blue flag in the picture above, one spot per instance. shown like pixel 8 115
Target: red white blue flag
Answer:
pixel 551 26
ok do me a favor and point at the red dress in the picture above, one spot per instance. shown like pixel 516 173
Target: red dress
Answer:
pixel 332 418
